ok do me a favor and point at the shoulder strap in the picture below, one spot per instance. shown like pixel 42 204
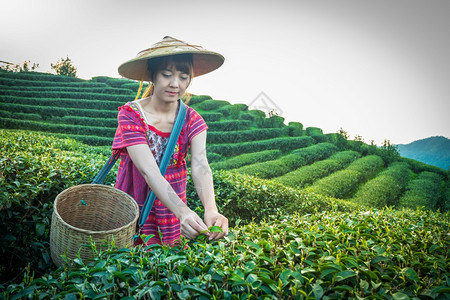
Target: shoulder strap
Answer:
pixel 176 130
pixel 148 204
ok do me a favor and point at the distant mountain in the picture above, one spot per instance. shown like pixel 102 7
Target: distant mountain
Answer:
pixel 433 151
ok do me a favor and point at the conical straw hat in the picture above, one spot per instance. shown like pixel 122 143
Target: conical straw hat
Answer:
pixel 204 61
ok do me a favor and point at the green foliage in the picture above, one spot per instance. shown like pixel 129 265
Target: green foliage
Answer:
pixel 284 164
pixel 245 198
pixel 57 128
pixel 214 157
pixel 34 168
pixel 38 77
pixel 246 159
pixel 306 175
pixel 229 125
pixel 295 129
pixel 388 152
pixel 11 94
pixel 341 183
pixel 380 254
pixel 54 111
pixel 65 67
pixel 339 140
pixel 419 167
pixel 425 191
pixel 233 111
pixel 209 104
pixel 312 131
pixel 385 188
pixel 284 144
pixel 274 122
pixel 195 99
pixel 240 136
pixel 211 116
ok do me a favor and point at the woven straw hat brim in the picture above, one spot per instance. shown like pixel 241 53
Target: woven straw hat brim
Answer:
pixel 204 61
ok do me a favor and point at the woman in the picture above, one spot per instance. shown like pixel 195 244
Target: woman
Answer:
pixel 143 130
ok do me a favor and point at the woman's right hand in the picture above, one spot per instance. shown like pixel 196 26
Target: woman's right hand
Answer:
pixel 191 224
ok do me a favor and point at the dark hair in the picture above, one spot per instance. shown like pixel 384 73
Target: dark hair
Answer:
pixel 182 63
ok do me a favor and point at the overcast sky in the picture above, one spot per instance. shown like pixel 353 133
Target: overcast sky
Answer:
pixel 379 69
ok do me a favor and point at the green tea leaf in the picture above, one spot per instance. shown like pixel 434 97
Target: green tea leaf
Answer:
pixel 345 275
pixel 317 291
pixel 410 274
pixel 196 290
pixel 400 296
pixel 253 245
pixel 215 229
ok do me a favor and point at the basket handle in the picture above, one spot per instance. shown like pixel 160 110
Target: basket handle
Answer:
pixel 106 168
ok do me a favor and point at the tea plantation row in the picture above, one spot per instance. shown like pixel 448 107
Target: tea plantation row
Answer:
pixel 284 244
pixel 238 138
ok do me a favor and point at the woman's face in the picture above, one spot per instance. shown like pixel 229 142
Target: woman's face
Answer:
pixel 170 84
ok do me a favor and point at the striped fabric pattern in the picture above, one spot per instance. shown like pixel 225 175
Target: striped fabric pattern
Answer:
pixel 161 223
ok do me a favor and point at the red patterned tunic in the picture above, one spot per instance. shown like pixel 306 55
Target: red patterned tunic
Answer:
pixel 131 131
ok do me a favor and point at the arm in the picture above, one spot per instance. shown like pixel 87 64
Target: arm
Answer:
pixel 203 181
pixel 143 159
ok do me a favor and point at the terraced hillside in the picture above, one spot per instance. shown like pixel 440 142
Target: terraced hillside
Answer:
pixel 238 139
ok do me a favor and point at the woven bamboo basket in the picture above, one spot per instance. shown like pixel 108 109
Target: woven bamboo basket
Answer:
pixel 88 211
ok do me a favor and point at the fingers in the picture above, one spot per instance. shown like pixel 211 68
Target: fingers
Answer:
pixel 192 225
pixel 221 222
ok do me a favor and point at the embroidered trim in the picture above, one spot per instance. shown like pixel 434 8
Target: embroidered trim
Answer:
pixel 178 156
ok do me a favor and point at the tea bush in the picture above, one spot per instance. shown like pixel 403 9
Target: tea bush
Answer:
pixel 89 121
pixel 67 95
pixel 285 144
pixel 295 129
pixel 419 167
pixel 379 254
pixel 385 188
pixel 274 122
pixel 68 89
pixel 34 168
pixel 241 136
pixel 229 125
pixel 59 111
pixel 211 116
pixel 57 128
pixel 233 111
pixel 426 190
pixel 14 82
pixel 284 164
pixel 209 104
pixel 19 115
pixel 195 99
pixel 343 182
pixel 306 175
pixel 214 157
pixel 37 76
pixel 65 102
pixel 246 159
pixel 311 131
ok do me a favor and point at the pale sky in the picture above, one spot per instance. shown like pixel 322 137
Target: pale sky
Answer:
pixel 379 69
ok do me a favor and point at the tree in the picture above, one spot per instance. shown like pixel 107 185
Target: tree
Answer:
pixel 65 67
pixel 389 153
pixel 25 67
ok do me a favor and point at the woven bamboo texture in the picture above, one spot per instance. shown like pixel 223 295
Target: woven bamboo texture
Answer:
pixel 88 211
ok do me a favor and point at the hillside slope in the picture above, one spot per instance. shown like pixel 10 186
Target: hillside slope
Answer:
pixel 433 151
pixel 239 139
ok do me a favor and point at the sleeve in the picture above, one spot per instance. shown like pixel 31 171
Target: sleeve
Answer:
pixel 196 124
pixel 130 130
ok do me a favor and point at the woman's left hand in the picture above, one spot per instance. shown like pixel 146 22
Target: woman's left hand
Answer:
pixel 216 219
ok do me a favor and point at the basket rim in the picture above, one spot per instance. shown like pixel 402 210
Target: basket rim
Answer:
pixel 92 232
